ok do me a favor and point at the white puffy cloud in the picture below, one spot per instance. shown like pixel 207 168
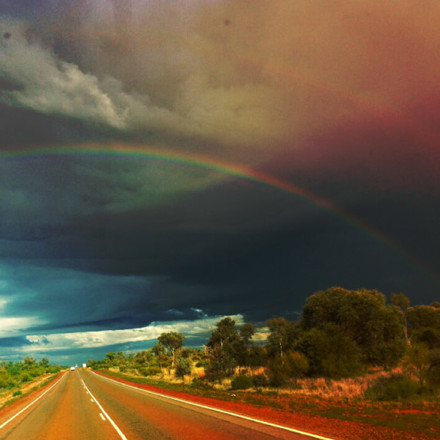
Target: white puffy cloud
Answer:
pixel 95 339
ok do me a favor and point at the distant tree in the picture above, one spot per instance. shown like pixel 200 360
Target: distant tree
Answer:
pixel 183 367
pixel 427 335
pixel 173 342
pixel 282 336
pixel 120 358
pixel 110 358
pixel 423 316
pixel 44 363
pixel 224 335
pixel 417 361
pixel 225 348
pixel 29 362
pixel 401 301
pixel 221 363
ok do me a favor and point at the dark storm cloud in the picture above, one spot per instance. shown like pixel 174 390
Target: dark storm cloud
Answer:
pixel 338 101
pixel 14 342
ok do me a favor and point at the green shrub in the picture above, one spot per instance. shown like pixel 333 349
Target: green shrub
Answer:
pixel 260 380
pixel 25 378
pixel 149 371
pixel 394 387
pixel 201 384
pixel 183 367
pixel 241 382
pixel 17 393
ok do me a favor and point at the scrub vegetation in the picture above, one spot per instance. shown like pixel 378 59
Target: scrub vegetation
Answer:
pixel 350 355
pixel 17 378
pixel 341 334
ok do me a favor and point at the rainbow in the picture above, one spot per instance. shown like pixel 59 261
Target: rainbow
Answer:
pixel 218 166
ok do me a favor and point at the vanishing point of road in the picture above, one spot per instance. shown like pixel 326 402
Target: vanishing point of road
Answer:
pixel 82 405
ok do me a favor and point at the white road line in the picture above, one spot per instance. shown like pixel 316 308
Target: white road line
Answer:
pixel 32 403
pixel 121 434
pixel 273 425
pixel 102 417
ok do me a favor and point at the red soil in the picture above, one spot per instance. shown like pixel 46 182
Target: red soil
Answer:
pixel 332 428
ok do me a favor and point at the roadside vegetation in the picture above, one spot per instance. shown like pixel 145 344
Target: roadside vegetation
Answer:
pixel 340 334
pixel 17 378
pixel 359 357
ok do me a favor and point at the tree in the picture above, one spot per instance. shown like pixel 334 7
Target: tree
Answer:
pixel 221 363
pixel 110 358
pixel 225 349
pixel 362 316
pixel 330 352
pixel 423 316
pixel 29 363
pixel 401 301
pixel 183 367
pixel 44 363
pixel 417 361
pixel 282 336
pixel 173 342
pixel 225 334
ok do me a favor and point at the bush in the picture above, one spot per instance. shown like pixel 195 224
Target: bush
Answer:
pixel 260 380
pixel 241 382
pixel 201 384
pixel 25 378
pixel 284 369
pixel 394 387
pixel 17 393
pixel 149 371
pixel 183 367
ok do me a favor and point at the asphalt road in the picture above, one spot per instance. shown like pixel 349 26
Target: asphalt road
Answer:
pixel 85 406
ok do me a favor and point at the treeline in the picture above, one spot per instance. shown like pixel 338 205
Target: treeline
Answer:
pixel 340 333
pixel 14 374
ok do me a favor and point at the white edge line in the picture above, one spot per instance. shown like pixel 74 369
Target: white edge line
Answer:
pixel 274 425
pixel 26 407
pixel 121 434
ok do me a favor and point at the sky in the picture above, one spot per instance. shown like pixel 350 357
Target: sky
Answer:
pixel 165 163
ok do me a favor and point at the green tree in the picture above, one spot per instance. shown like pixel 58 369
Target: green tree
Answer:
pixel 173 342
pixel 110 358
pixel 330 352
pixel 29 363
pixel 401 301
pixel 44 363
pixel 423 316
pixel 282 337
pixel 362 316
pixel 221 363
pixel 183 367
pixel 417 361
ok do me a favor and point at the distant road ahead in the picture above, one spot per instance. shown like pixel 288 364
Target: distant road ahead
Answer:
pixel 85 406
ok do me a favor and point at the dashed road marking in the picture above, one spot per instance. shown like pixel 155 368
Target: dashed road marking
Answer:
pixel 102 417
pixel 121 434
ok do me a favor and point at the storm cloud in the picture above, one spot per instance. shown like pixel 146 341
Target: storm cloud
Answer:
pixel 338 103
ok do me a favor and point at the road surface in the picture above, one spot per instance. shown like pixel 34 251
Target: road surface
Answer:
pixel 85 406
